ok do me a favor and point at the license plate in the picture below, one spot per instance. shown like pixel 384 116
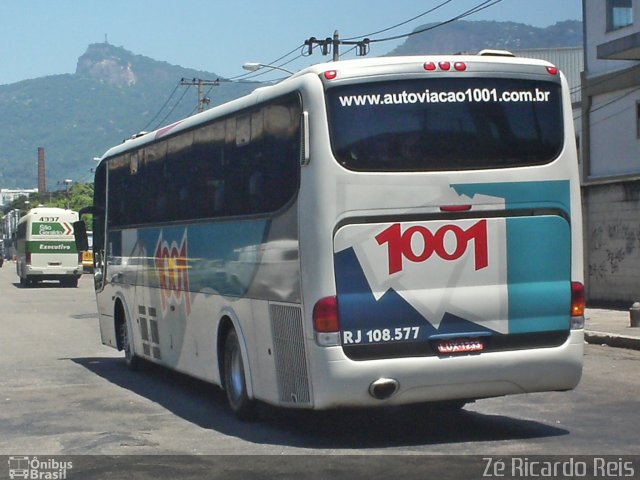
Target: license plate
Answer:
pixel 453 346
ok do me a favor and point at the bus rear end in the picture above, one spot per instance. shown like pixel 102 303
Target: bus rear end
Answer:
pixel 455 228
pixel 47 249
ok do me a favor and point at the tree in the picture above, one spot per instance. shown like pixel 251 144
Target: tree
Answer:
pixel 80 195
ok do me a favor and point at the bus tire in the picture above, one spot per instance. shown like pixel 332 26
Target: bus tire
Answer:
pixel 235 383
pixel 131 360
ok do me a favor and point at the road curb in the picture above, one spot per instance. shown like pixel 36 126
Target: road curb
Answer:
pixel 620 341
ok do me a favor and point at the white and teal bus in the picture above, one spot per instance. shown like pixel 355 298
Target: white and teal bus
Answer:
pixel 45 246
pixel 372 232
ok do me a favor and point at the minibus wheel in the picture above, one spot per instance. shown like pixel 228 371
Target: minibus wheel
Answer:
pixel 131 360
pixel 235 382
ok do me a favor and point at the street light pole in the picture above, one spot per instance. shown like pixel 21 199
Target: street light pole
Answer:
pixel 254 66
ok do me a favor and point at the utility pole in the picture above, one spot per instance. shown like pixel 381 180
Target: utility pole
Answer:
pixel 333 45
pixel 200 83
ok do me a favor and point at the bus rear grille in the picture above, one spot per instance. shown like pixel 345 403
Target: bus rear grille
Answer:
pixel 149 332
pixel 289 353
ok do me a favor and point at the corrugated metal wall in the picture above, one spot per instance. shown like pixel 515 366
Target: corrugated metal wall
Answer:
pixel 570 60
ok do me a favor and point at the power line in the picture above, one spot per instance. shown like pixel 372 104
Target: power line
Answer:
pixel 328 44
pixel 363 45
pixel 471 11
pixel 162 107
pixel 249 75
pixel 200 83
pixel 333 43
pixel 402 23
pixel 161 122
pixel 606 104
pixel 204 98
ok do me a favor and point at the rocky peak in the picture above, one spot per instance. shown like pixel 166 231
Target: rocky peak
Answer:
pixel 108 64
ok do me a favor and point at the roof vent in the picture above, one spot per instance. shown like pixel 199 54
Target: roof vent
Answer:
pixel 495 53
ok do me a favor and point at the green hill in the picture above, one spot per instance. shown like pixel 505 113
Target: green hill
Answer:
pixel 75 117
pixel 464 36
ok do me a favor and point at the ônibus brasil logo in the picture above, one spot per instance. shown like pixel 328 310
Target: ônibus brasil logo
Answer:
pixel 171 262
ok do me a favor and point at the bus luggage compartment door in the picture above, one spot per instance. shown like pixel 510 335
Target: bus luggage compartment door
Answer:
pixel 404 288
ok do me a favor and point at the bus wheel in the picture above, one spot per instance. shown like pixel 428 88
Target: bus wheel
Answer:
pixel 234 379
pixel 130 359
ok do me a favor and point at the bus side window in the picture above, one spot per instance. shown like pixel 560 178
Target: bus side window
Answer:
pixel 256 192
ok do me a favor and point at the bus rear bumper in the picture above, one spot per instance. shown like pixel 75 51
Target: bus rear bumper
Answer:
pixel 53 274
pixel 347 383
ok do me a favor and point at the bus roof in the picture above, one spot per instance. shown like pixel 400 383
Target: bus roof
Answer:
pixel 48 211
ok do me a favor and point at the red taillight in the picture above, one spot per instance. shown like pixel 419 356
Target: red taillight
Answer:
pixel 455 208
pixel 325 315
pixel 552 70
pixel 27 258
pixel 444 66
pixel 577 299
pixel 330 74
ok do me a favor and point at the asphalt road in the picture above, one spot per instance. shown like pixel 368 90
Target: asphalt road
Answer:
pixel 63 393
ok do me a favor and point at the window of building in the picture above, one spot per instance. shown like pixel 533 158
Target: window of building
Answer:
pixel 619 14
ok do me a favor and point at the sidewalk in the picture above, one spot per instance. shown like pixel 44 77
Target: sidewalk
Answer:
pixel 611 327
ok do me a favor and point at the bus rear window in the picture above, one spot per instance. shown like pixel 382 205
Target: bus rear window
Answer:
pixel 439 124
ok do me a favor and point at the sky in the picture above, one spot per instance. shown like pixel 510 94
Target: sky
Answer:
pixel 45 37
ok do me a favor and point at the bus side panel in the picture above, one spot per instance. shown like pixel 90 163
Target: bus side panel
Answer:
pixel 179 281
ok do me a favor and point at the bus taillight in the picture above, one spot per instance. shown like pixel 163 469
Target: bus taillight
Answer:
pixel 330 74
pixel 27 258
pixel 444 66
pixel 577 299
pixel 326 322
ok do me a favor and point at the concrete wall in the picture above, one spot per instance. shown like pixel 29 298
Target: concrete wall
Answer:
pixel 615 147
pixel 612 242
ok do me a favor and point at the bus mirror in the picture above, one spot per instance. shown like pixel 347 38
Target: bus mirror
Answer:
pixel 80 234
pixel 91 210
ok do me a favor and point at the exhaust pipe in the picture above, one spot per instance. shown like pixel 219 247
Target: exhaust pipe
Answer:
pixel 383 388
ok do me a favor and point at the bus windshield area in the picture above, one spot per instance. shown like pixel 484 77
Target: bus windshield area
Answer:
pixel 440 124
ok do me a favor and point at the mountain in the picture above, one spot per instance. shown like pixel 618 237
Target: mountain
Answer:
pixel 75 117
pixel 464 36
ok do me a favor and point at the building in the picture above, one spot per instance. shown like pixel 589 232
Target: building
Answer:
pixel 570 60
pixel 610 150
pixel 7 196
